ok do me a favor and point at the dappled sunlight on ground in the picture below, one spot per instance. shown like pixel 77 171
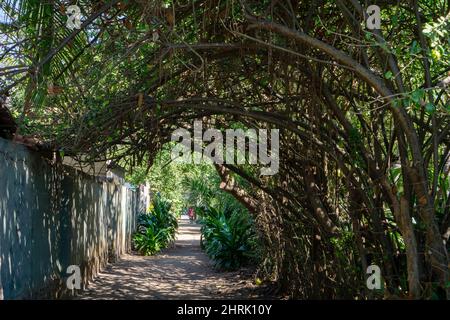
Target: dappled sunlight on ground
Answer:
pixel 180 272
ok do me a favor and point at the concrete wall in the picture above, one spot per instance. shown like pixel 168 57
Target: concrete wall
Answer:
pixel 52 217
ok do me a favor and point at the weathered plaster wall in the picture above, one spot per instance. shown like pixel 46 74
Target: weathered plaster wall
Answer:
pixel 51 218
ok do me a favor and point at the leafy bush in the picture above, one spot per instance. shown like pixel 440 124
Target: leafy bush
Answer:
pixel 156 228
pixel 230 239
pixel 148 241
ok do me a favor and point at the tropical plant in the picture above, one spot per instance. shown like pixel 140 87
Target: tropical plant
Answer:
pixel 156 228
pixel 230 241
pixel 148 240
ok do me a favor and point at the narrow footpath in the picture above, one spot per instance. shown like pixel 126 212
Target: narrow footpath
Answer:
pixel 182 271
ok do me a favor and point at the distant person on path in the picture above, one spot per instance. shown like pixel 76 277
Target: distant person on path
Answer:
pixel 191 214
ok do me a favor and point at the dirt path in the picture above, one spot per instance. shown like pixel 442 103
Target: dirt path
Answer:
pixel 180 272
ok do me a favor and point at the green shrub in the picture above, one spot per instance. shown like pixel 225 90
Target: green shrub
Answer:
pixel 148 241
pixel 156 228
pixel 228 239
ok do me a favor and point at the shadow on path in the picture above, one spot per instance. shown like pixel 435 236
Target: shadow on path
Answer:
pixel 180 272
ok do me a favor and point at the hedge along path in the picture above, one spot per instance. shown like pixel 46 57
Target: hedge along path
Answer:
pixel 182 271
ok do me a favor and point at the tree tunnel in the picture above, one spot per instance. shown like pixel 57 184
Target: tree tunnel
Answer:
pixel 362 114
